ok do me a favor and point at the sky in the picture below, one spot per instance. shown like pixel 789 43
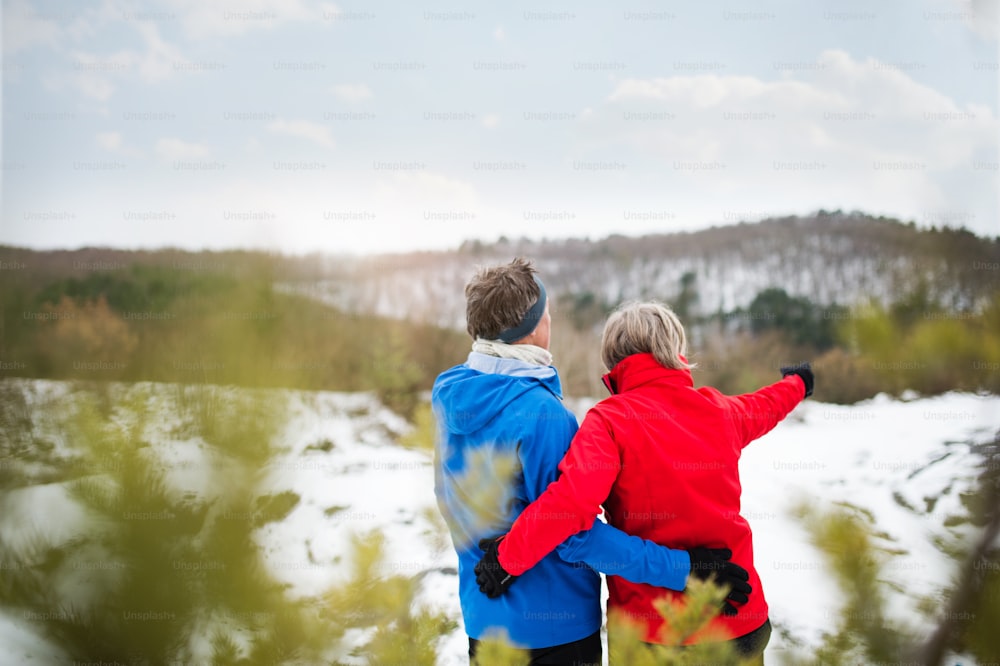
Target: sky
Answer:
pixel 313 126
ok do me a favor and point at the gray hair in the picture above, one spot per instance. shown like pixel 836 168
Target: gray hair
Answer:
pixel 644 327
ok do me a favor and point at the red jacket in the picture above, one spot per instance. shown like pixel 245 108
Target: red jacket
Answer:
pixel 662 457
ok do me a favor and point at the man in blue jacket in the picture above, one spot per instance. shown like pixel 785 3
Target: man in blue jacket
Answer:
pixel 502 430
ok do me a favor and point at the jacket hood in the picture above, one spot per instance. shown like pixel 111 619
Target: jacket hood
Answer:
pixel 474 393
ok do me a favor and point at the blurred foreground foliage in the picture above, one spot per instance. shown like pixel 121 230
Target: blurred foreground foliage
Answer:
pixel 147 552
pixel 961 619
pixel 152 555
pixel 625 641
pixel 625 644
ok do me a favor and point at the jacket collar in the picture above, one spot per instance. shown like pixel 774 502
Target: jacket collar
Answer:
pixel 639 369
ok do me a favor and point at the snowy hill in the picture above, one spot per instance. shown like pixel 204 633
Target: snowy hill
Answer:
pixel 903 465
pixel 827 258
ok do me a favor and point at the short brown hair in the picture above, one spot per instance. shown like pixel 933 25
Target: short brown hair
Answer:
pixel 497 297
pixel 644 328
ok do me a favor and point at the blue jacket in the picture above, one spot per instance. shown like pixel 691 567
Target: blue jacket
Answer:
pixel 494 414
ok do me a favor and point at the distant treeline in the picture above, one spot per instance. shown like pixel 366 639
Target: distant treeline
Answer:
pixel 199 318
pixel 858 351
pixel 827 257
pixel 930 322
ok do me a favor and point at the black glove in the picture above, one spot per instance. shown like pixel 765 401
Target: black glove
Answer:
pixel 802 370
pixel 492 579
pixel 713 563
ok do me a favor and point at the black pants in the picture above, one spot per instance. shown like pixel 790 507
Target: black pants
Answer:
pixel 584 652
pixel 751 646
pixel 748 646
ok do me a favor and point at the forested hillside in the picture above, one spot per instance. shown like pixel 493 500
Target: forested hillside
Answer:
pixel 828 258
pixel 205 318
pixel 876 304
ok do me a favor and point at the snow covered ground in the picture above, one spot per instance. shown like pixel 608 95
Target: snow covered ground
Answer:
pixel 905 462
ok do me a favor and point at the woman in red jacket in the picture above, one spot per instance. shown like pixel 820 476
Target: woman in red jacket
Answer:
pixel 662 458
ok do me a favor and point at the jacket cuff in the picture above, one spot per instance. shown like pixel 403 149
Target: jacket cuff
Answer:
pixel 801 381
pixel 512 567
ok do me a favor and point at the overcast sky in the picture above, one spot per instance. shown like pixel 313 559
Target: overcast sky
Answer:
pixel 305 125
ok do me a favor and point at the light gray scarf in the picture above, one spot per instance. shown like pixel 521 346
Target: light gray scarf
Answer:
pixel 527 353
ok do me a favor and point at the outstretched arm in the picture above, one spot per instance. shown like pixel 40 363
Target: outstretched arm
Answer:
pixel 755 414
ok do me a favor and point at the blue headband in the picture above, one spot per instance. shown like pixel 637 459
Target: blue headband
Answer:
pixel 530 320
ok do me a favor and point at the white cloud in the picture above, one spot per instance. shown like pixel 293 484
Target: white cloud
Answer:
pixel 303 129
pixel 234 17
pixel 114 142
pixel 420 187
pixel 839 133
pixel 97 75
pixel 981 16
pixel 170 149
pixel 252 145
pixel 406 196
pixel 158 60
pixel 24 28
pixel 94 86
pixel 110 141
pixel 330 11
pixel 352 92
